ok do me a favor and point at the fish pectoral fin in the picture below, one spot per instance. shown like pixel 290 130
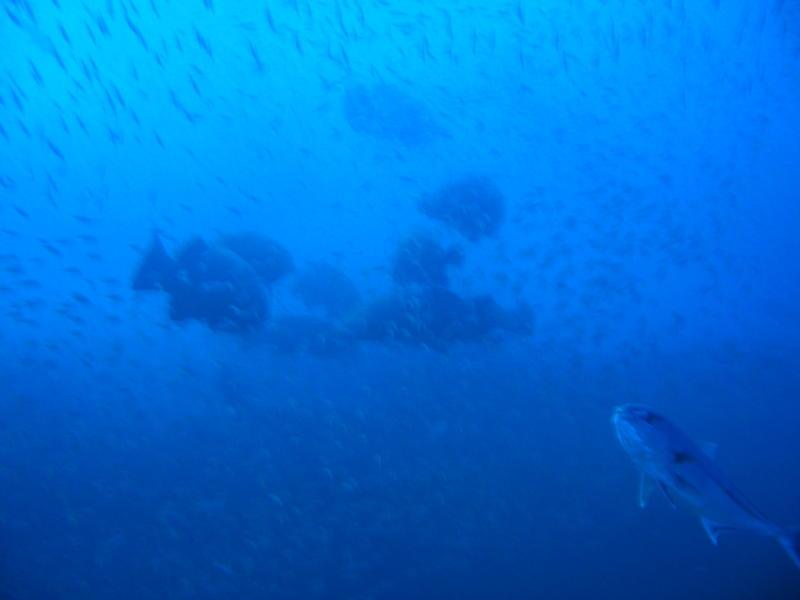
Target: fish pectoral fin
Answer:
pixel 666 492
pixel 709 449
pixel 646 486
pixel 713 529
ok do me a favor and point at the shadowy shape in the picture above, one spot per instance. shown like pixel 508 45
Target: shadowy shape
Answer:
pixel 472 206
pixel 383 111
pixel 422 260
pixel 268 258
pixel 324 287
pixel 438 318
pixel 207 283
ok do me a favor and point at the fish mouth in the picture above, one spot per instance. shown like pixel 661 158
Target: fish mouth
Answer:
pixel 618 422
pixel 629 412
pixel 625 427
pixel 626 434
pixel 620 413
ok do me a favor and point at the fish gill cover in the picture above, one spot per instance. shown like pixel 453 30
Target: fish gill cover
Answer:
pixel 334 298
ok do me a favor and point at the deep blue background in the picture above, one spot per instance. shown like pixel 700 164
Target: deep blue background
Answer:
pixel 649 153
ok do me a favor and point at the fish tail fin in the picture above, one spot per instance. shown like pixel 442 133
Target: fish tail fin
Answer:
pixel 790 540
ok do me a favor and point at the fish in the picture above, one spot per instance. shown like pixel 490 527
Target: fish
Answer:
pixel 686 473
pixel 136 31
pixel 256 57
pixel 203 43
pixel 54 149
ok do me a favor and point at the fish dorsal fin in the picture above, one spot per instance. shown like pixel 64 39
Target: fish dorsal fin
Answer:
pixel 665 491
pixel 709 449
pixel 646 487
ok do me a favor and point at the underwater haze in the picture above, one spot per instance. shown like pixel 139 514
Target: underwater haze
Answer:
pixel 335 299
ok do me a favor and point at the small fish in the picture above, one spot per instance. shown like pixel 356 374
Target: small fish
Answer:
pixel 136 31
pixel 81 299
pixel 256 57
pixel 270 20
pixel 64 34
pixel 37 76
pixel 14 269
pixel 51 248
pixel 191 117
pixel 17 101
pixel 30 283
pixel 54 149
pixel 203 43
pixel 14 18
pixel 102 26
pixel 670 460
pixel 82 124
pixel 90 33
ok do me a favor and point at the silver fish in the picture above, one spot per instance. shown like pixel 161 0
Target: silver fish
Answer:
pixel 668 459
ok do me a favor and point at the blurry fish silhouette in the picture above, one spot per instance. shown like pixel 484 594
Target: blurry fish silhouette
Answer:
pixel 207 283
pixel 270 260
pixel 384 111
pixel 323 287
pixel 670 460
pixel 422 260
pixel 473 206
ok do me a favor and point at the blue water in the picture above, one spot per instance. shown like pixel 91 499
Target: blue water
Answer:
pixel 371 433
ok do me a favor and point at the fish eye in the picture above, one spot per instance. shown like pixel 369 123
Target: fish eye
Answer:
pixel 644 414
pixel 650 418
